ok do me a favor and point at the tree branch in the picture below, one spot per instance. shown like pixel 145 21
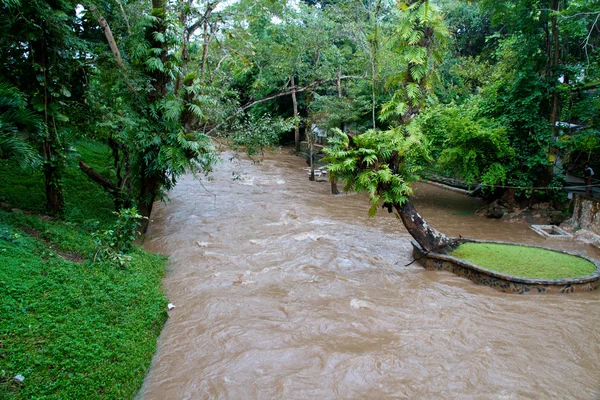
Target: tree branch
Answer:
pixel 107 185
pixel 221 61
pixel 107 33
pixel 282 93
pixel 125 17
pixel 111 41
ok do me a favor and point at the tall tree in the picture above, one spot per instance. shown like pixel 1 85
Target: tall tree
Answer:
pixel 140 112
pixel 41 56
pixel 383 164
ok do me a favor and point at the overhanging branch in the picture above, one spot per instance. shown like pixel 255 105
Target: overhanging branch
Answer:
pixel 280 94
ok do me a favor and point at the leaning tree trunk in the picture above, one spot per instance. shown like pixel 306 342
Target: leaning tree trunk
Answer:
pixel 333 180
pixel 427 236
pixel 119 192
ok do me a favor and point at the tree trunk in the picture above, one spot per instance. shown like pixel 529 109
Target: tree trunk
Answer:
pixel 185 36
pixel 373 100
pixel 297 124
pixel 160 79
pixel 334 188
pixel 107 33
pixel 150 182
pixel 148 192
pixel 427 236
pixel 332 177
pixel 111 39
pixel 55 202
pixel 373 56
pixel 205 46
pixel 53 163
pixel 554 112
pixel 311 153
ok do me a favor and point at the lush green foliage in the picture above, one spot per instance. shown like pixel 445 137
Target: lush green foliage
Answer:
pixel 525 262
pixel 114 243
pixel 43 58
pixel 471 148
pixel 16 122
pixel 179 72
pixel 535 61
pixel 378 163
pixel 142 116
pixel 168 76
pixel 86 203
pixel 257 134
pixel 420 41
pixel 72 327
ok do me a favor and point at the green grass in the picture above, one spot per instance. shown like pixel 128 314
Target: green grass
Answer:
pixel 85 201
pixel 72 327
pixel 525 262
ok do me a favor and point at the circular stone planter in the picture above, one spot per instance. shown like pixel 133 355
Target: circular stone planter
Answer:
pixel 503 282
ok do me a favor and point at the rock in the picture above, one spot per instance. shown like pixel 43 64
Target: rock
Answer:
pixel 493 210
pixel 586 236
pixel 586 214
pixel 496 212
pixel 540 206
pixel 556 217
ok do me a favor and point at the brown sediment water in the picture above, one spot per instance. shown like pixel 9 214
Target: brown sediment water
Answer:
pixel 284 291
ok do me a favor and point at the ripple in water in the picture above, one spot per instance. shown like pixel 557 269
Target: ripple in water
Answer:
pixel 292 293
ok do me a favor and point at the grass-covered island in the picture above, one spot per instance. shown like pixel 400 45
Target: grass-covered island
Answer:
pixel 523 261
pixel 70 327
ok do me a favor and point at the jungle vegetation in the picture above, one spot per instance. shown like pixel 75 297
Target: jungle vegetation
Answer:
pixel 494 91
pixel 104 104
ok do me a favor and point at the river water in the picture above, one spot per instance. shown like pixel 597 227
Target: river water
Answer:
pixel 283 291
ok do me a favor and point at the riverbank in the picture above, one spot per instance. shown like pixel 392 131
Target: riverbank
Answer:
pixel 71 327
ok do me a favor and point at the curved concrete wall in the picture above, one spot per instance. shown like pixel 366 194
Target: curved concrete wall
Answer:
pixel 502 282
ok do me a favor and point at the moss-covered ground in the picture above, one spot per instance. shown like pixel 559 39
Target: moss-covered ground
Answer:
pixel 525 262
pixel 73 328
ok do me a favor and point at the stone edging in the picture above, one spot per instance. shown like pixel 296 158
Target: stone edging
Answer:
pixel 504 282
pixel 447 187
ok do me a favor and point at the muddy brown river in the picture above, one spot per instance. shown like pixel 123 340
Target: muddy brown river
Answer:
pixel 283 291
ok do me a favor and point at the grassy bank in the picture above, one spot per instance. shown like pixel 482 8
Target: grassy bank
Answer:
pixel 526 262
pixel 71 327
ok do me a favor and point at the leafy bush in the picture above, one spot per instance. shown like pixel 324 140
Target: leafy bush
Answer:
pixel 474 149
pixel 114 243
pixel 254 135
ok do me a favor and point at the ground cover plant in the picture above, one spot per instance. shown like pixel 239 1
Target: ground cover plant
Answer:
pixel 72 327
pixel 522 261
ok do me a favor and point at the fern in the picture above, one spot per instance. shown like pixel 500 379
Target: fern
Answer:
pixel 155 64
pixel 364 166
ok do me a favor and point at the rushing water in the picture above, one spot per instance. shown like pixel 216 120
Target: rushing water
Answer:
pixel 283 291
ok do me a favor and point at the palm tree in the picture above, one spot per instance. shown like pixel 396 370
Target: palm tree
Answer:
pixel 16 124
